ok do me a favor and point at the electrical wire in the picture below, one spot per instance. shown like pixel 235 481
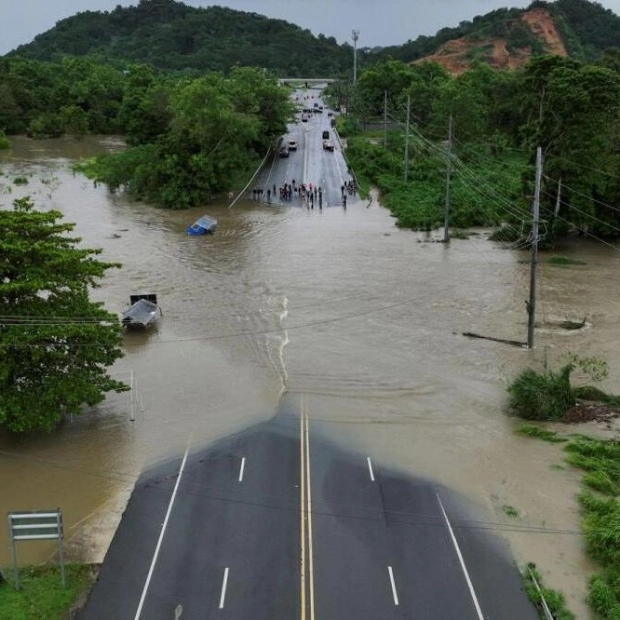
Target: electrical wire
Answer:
pixel 262 500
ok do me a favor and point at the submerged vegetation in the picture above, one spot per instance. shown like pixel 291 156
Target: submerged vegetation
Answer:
pixel 530 430
pixel 549 395
pixel 546 395
pixel 5 143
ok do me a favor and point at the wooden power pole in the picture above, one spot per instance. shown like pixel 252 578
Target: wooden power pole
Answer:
pixel 407 138
pixel 446 220
pixel 531 305
pixel 385 119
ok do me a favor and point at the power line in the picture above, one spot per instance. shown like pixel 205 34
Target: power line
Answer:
pixel 342 510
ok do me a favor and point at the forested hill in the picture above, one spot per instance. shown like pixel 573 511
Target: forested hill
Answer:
pixel 172 35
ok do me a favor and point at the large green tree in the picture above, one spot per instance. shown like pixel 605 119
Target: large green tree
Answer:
pixel 574 114
pixel 55 344
pixel 212 130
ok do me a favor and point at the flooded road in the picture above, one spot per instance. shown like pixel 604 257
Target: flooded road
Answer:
pixel 362 319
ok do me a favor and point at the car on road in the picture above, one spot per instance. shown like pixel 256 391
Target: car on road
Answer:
pixel 284 150
pixel 328 145
pixel 292 145
pixel 325 134
pixel 304 118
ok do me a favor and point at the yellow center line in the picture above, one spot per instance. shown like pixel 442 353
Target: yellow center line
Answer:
pixel 302 513
pixel 308 491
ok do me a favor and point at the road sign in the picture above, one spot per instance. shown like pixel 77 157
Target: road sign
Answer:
pixel 36 525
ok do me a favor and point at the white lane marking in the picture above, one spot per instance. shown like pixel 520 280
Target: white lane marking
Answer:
pixel 462 561
pixel 224 584
pixel 394 593
pixel 372 475
pixel 241 469
pixel 161 535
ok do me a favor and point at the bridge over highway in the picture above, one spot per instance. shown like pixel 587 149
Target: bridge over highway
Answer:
pixel 313 81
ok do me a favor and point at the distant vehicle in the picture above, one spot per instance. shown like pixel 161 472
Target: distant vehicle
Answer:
pixel 284 150
pixel 316 105
pixel 202 226
pixel 304 118
pixel 330 113
pixel 325 135
pixel 292 145
pixel 328 145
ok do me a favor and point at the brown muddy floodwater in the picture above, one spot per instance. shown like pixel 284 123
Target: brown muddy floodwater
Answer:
pixel 362 319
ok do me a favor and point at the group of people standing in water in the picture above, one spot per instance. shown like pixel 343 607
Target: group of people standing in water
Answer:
pixel 311 193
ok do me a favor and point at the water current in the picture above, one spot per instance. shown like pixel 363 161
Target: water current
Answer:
pixel 360 318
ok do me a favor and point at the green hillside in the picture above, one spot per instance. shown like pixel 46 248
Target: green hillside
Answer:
pixel 173 36
pixel 170 35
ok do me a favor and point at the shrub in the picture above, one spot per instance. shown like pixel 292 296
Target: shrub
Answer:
pixel 601 526
pixel 542 396
pixel 5 143
pixel 602 598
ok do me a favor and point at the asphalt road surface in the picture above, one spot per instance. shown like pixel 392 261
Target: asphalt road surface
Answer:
pixel 309 163
pixel 275 523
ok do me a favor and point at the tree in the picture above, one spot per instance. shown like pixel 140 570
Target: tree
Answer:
pixel 55 343
pixel 217 128
pixel 573 115
pixel 392 75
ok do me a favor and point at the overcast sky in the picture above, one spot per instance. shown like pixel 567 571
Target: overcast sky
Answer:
pixel 380 22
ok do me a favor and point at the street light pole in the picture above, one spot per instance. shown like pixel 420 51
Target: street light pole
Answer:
pixel 356 36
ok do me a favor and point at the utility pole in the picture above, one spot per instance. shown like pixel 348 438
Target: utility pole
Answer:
pixel 446 220
pixel 385 119
pixel 356 36
pixel 407 138
pixel 531 305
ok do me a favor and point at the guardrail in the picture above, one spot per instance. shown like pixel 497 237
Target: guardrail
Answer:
pixel 260 166
pixel 543 602
pixel 344 155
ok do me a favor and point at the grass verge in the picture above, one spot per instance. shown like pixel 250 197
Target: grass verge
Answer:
pixel 42 596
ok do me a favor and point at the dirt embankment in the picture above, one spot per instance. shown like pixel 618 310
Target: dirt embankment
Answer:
pixel 458 55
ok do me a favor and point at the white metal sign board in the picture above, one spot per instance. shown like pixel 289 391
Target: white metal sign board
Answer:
pixel 36 525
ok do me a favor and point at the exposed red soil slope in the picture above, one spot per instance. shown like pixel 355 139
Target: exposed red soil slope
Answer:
pixel 457 55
